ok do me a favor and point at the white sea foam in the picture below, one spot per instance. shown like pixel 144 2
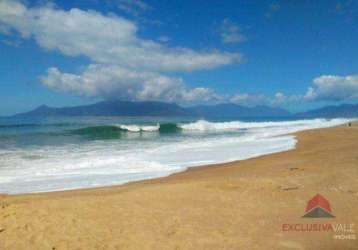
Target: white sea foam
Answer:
pixel 203 125
pixel 138 128
pixel 103 163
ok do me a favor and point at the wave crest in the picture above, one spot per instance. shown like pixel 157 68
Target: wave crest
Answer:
pixel 138 128
pixel 203 125
pixel 118 130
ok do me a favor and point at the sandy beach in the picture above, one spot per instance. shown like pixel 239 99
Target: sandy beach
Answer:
pixel 239 205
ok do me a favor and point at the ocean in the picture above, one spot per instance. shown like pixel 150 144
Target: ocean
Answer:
pixel 50 154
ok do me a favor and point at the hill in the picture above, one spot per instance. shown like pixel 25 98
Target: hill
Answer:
pixel 127 108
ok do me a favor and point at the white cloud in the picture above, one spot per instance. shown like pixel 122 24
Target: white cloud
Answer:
pixel 120 83
pixel 249 99
pixel 329 88
pixel 132 7
pixel 310 94
pixel 124 66
pixel 333 88
pixel 104 39
pixel 230 32
pixel 278 99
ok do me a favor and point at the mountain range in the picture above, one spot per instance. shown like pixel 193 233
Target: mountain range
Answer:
pixel 343 110
pixel 152 108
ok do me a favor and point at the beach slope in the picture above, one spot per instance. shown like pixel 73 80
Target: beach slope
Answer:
pixel 240 205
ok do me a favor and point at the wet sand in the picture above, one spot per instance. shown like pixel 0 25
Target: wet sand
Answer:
pixel 239 205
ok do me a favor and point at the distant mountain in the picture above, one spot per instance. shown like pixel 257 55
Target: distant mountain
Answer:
pixel 111 108
pixel 233 110
pixel 126 108
pixel 344 110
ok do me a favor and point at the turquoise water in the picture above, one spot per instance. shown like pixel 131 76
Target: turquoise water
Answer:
pixel 46 154
pixel 54 131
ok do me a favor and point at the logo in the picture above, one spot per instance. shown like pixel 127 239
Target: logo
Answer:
pixel 318 207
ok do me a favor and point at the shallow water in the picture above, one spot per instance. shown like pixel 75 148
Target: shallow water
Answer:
pixel 38 155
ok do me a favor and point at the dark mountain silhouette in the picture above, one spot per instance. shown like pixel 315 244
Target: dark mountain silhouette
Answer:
pixel 344 110
pixel 127 108
pixel 151 108
pixel 234 110
pixel 111 108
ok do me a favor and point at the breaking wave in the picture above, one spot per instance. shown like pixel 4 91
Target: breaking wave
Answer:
pixel 50 164
pixel 118 130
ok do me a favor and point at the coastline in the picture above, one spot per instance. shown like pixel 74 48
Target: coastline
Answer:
pixel 101 163
pixel 241 204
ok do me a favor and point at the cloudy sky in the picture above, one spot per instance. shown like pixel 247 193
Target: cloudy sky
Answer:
pixel 292 54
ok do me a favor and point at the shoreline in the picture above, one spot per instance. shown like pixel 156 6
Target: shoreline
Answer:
pixel 241 204
pixel 285 142
pixel 187 169
pixel 192 168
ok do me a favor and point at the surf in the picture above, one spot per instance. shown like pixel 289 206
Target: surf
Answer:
pixel 104 151
pixel 117 131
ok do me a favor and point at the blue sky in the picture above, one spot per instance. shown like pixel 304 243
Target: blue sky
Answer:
pixel 292 54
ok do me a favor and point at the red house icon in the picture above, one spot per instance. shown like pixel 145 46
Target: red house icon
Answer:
pixel 318 207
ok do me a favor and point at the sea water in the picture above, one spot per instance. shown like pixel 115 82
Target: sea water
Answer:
pixel 49 154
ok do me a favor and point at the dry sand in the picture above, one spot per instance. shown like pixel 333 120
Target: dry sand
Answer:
pixel 240 205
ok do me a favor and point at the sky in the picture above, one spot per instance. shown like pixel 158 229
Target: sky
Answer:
pixel 296 55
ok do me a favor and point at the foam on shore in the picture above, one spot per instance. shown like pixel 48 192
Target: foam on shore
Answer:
pixel 105 163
